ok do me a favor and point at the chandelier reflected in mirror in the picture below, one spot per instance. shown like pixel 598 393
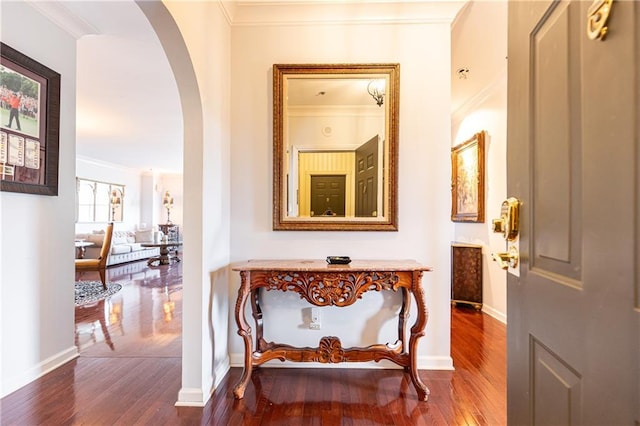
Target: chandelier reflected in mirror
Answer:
pixel 376 90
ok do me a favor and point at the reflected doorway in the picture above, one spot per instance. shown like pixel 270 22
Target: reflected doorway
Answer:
pixel 328 195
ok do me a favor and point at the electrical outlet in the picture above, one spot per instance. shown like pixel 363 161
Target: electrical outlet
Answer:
pixel 315 319
pixel 315 315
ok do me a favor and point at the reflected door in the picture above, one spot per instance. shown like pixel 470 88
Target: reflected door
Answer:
pixel 327 195
pixel 367 178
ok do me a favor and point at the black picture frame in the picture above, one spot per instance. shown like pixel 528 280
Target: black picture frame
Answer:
pixel 29 154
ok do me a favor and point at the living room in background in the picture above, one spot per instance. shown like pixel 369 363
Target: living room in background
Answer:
pixel 99 201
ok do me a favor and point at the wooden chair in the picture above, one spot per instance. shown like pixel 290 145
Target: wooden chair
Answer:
pixel 99 264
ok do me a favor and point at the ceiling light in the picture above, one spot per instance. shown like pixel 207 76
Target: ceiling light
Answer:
pixel 462 73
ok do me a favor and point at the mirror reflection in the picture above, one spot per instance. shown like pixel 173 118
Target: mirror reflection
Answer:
pixel 335 129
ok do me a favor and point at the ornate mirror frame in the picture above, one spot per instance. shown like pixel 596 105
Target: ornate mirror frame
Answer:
pixel 387 221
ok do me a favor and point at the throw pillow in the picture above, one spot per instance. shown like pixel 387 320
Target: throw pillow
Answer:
pixel 145 236
pixel 96 239
pixel 119 237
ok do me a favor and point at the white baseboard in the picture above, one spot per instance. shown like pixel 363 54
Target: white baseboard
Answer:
pixel 424 363
pixel 220 372
pixel 195 397
pixel 500 316
pixel 39 370
pixel 191 397
pixel 435 363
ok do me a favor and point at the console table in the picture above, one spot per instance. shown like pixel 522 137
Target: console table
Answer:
pixel 322 284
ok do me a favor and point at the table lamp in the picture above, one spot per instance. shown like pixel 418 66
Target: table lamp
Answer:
pixel 167 202
pixel 116 201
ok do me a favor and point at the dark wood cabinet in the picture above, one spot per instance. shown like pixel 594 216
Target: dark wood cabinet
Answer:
pixel 466 274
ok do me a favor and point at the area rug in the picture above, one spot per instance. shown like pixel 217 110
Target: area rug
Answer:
pixel 92 291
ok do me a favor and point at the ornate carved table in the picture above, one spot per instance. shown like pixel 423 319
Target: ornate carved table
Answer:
pixel 331 285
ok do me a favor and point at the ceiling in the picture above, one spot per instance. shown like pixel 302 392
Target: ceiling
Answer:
pixel 127 104
pixel 128 107
pixel 329 92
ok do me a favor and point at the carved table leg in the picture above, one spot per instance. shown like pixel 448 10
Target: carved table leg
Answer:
pixel 402 319
pixel 245 331
pixel 417 331
pixel 256 311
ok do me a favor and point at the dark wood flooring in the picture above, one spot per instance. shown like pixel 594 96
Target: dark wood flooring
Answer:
pixel 129 373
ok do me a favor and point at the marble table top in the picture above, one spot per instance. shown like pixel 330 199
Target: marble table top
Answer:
pixel 320 265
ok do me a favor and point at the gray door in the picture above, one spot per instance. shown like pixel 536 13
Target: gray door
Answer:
pixel 367 178
pixel 574 312
pixel 328 195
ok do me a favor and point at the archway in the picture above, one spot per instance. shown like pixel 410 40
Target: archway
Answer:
pixel 194 390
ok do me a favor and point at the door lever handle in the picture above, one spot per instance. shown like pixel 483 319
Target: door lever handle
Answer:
pixel 507 259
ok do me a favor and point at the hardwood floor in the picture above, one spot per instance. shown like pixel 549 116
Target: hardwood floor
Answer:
pixel 129 373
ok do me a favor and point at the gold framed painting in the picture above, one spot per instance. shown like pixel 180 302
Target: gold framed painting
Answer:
pixel 467 180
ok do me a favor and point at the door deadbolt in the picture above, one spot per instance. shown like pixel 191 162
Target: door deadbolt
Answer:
pixel 509 222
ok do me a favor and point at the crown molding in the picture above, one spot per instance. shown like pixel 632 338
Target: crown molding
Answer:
pixel 57 13
pixel 340 12
pixel 459 18
pixel 291 12
pixel 228 10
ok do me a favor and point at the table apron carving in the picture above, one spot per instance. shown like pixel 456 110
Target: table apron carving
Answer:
pixel 322 285
pixel 328 288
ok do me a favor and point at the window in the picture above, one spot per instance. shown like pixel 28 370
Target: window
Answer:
pixel 98 201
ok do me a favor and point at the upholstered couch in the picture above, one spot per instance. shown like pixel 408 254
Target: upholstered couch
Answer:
pixel 126 246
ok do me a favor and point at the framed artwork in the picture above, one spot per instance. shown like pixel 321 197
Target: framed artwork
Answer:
pixel 467 180
pixel 29 126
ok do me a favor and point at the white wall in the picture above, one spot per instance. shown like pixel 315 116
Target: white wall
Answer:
pixel 485 24
pixel 202 74
pixel 425 231
pixel 149 200
pixel 36 235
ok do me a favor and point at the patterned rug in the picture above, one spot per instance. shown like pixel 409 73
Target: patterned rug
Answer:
pixel 92 291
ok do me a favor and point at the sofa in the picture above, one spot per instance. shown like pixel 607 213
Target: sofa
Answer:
pixel 126 246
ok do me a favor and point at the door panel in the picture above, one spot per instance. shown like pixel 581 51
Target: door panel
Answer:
pixel 556 389
pixel 556 141
pixel 367 178
pixel 573 110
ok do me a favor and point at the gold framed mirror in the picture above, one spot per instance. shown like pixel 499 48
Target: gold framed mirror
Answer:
pixel 335 147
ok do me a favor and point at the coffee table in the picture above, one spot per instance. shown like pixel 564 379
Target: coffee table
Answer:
pixel 80 248
pixel 165 249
